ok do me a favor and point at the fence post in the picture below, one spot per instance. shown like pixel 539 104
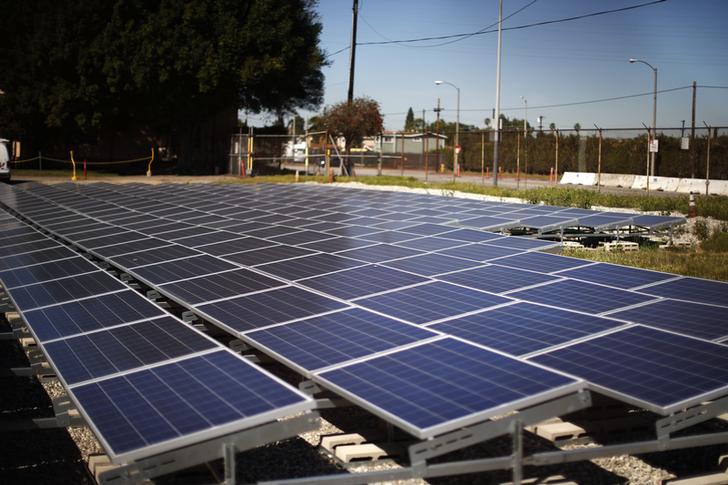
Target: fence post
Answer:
pixel 73 162
pixel 482 157
pixel 707 161
pixel 149 167
pixel 556 164
pixel 401 160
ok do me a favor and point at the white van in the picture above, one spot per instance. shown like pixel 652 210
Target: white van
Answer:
pixel 4 158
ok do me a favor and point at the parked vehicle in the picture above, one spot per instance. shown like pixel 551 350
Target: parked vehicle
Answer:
pixel 4 159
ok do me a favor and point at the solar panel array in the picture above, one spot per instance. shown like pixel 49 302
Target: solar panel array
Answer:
pixel 145 381
pixel 357 288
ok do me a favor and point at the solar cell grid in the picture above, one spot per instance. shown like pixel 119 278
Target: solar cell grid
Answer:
pixel 153 255
pixel 307 266
pixel 272 231
pixel 267 255
pixel 617 276
pixel 480 252
pixel 337 243
pixel 431 301
pixel 658 370
pixel 63 290
pixel 143 412
pixel 222 285
pixel 90 314
pixel 694 319
pixel 442 385
pixel 37 273
pixel 377 253
pixel 523 328
pixel 301 237
pixel 326 340
pixel 246 313
pixel 496 279
pixel 100 242
pixel 180 269
pixel 542 262
pixel 35 257
pixel 431 264
pixel 581 296
pixel 363 281
pixel 119 349
pixel 388 236
pixel 692 289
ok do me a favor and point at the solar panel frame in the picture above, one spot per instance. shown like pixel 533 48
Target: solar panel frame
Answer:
pixel 81 399
pixel 567 385
pixel 626 339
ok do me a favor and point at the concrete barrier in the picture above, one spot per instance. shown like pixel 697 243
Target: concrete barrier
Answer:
pixel 579 178
pixel 691 185
pixel 640 182
pixel 718 187
pixel 665 184
pixel 617 180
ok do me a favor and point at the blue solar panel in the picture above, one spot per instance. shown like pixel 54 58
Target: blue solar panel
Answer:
pixel 653 222
pixel 692 289
pixel 695 319
pixel 182 269
pixel 267 255
pixel 269 307
pixel 334 338
pixel 63 290
pixel 546 222
pixel 617 276
pixel 437 386
pixel 660 370
pixel 388 237
pixel 428 229
pixel 542 262
pixel 430 243
pixel 222 285
pixel 431 264
pixel 480 252
pixel 209 238
pixel 516 242
pixel 601 221
pixel 358 282
pixel 377 253
pixel 99 354
pixel 90 314
pixel 51 254
pixel 307 266
pixel 496 279
pixel 524 327
pixel 337 243
pixel 217 392
pixel 431 301
pixel 139 245
pixel 581 296
pixel 46 271
pixel 9 251
pixel 244 243
pixel 472 235
pixel 100 242
pixel 488 222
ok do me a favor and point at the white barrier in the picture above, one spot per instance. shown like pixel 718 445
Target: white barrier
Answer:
pixel 665 184
pixel 579 178
pixel 617 180
pixel 640 182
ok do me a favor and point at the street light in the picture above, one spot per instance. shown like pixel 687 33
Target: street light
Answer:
pixel 654 112
pixel 455 166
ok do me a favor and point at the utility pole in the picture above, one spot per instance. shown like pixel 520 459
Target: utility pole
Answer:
pixel 437 133
pixel 496 141
pixel 352 51
pixel 350 93
pixel 692 134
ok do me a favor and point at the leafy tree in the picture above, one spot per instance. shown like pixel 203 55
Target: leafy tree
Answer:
pixel 409 121
pixel 577 127
pixel 83 71
pixel 353 121
pixel 552 126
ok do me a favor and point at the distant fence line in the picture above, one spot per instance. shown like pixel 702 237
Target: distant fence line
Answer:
pixel 541 151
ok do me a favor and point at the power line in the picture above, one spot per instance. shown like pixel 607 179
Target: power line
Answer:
pixel 518 27
pixel 577 103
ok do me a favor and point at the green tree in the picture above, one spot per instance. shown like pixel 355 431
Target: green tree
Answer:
pixel 353 121
pixel 409 121
pixel 81 71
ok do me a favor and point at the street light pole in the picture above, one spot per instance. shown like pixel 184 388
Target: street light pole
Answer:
pixel 455 166
pixel 654 111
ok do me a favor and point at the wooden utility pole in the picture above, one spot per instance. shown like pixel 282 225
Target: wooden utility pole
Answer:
pixel 692 134
pixel 352 51
pixel 556 159
pixel 424 137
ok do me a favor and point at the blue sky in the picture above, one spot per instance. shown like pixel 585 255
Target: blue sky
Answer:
pixel 568 62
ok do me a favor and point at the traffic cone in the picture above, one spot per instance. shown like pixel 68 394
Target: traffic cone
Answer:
pixel 692 209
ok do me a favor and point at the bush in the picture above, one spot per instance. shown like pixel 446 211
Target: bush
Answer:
pixel 717 243
pixel 701 230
